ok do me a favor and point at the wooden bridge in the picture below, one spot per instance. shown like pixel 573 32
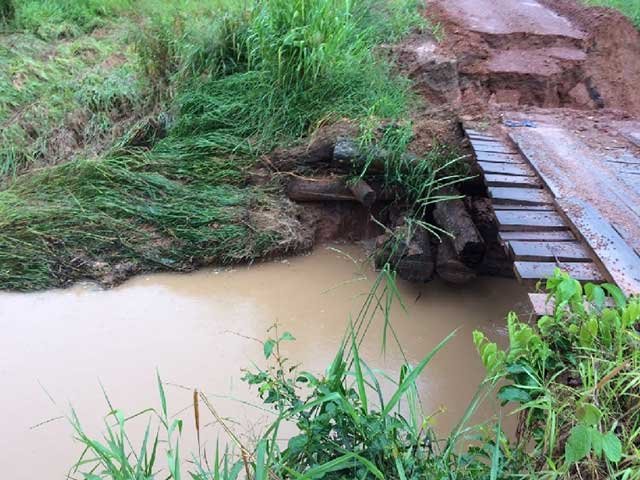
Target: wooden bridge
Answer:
pixel 559 203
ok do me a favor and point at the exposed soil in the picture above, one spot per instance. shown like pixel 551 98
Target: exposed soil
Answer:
pixel 552 53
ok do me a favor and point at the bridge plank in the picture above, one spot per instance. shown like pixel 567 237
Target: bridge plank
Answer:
pixel 585 272
pixel 495 147
pixel 500 180
pixel 536 235
pixel 543 305
pixel 523 196
pixel 499 158
pixel 506 169
pixel 529 208
pixel 542 251
pixel 524 220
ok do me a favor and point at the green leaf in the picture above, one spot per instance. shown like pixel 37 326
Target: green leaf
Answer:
pixel 511 393
pixel 588 332
pixel 612 447
pixel 287 337
pixel 268 347
pixel 411 378
pixel 163 398
pixel 595 294
pixel 616 294
pixel 589 414
pixel 362 392
pixel 596 442
pixel 578 445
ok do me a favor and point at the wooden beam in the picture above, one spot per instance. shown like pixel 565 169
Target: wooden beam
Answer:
pixel 499 158
pixel 522 220
pixel 554 251
pixel 494 147
pixel 613 254
pixel 537 236
pixel 500 180
pixel 585 272
pixel 522 196
pixel 506 169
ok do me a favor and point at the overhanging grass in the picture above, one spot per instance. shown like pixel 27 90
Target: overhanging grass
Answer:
pixel 279 69
pixel 82 218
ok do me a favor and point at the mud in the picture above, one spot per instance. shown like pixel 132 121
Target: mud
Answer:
pixel 544 53
pixel 197 329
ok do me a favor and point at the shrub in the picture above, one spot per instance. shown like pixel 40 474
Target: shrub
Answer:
pixel 575 376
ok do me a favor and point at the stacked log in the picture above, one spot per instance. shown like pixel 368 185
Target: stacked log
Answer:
pixel 467 243
pixel 412 258
pixel 472 247
pixel 331 189
pixel 450 267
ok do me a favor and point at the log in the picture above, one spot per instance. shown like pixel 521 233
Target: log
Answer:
pixel 363 193
pixel 347 155
pixel 449 267
pixel 412 259
pixel 453 217
pixel 319 189
pixel 495 262
pixel 483 217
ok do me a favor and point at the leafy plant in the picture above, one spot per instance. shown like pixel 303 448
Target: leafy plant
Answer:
pixel 575 376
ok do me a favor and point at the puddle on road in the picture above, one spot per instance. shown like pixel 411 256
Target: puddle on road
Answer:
pixel 195 330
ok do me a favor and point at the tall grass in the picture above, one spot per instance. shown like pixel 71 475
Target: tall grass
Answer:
pixel 54 18
pixel 266 73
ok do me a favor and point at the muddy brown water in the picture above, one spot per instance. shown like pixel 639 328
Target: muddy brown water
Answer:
pixel 196 329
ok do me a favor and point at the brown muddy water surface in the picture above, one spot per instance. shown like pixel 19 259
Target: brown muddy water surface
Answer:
pixel 56 346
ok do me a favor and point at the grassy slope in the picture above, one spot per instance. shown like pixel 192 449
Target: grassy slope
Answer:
pixel 245 78
pixel 630 8
pixel 64 97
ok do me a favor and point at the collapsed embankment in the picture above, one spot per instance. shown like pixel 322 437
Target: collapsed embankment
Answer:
pixel 452 235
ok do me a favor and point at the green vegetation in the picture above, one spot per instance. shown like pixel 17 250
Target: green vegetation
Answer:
pixel 631 8
pixel 575 376
pixel 243 78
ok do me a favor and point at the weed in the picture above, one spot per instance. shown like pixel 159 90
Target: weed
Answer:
pixel 575 376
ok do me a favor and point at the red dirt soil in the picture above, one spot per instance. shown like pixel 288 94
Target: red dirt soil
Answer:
pixel 547 53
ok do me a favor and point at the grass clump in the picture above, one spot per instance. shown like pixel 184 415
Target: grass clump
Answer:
pixel 65 18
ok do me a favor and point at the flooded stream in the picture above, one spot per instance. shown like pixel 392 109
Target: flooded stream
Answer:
pixel 196 329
